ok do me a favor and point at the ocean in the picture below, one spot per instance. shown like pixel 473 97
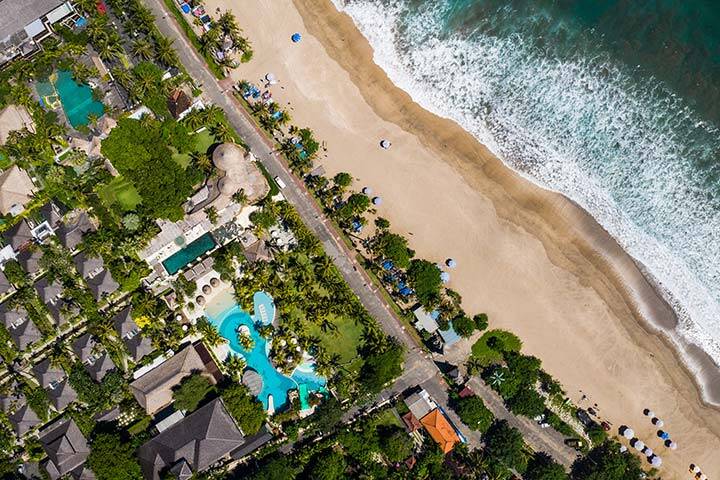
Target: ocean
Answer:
pixel 615 104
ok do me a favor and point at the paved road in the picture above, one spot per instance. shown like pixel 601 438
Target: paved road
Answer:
pixel 419 368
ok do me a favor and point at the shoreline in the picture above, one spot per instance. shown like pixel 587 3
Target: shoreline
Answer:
pixel 646 298
pixel 583 299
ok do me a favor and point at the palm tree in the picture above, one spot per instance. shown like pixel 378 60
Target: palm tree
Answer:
pixel 328 326
pixel 474 365
pixel 143 49
pixel 122 76
pixel 212 114
pixel 235 364
pixel 228 24
pixel 496 378
pixel 165 51
pixel 209 332
pixel 374 340
pixel 240 197
pixel 87 6
pixel 245 341
pixel 202 162
pixel 222 132
pixel 210 42
pixel 194 119
pixel 109 50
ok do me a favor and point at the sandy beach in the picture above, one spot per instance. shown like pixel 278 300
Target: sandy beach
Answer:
pixel 534 261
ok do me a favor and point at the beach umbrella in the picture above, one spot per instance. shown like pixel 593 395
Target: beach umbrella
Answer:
pixel 628 433
pixel 367 190
pixel 385 143
pixel 296 37
pixel 214 282
pixel 450 263
pixel 695 468
pixel 200 300
pixel 623 449
pixel 270 77
pixel 377 201
pixel 648 452
pixel 663 435
pixel 206 289
pixel 638 445
pixel 657 422
pixel 703 477
pixel 445 277
pixel 649 413
pixel 671 445
pixel 655 461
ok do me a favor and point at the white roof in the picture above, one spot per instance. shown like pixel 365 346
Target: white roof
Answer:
pixel 35 28
pixel 425 321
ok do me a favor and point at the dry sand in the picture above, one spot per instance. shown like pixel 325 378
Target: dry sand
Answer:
pixel 531 259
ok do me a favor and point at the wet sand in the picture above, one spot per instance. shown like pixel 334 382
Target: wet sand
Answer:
pixel 530 258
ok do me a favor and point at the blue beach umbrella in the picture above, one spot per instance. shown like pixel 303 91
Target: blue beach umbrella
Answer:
pixel 296 37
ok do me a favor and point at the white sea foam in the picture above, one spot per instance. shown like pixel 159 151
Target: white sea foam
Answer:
pixel 627 152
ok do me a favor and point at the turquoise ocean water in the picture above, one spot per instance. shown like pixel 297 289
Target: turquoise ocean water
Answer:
pixel 614 103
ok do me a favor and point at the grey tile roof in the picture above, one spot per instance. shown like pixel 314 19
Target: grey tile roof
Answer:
pixel 51 213
pixel 23 420
pixel 263 436
pixel 139 346
pixel 12 315
pixel 124 323
pixel 71 233
pixel 46 373
pixel 62 311
pixel 200 439
pixel 49 292
pixel 154 389
pixel 100 367
pixel 65 447
pixel 11 398
pixel 30 260
pixel 5 285
pixel 83 346
pixel 88 266
pixel 102 284
pixel 20 233
pixel 25 334
pixel 62 395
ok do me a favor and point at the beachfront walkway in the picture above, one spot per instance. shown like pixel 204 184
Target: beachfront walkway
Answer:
pixel 419 368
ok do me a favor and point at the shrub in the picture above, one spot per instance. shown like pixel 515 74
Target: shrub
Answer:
pixel 481 321
pixel 424 278
pixel 473 413
pixel 463 325
pixel 490 347
pixel 191 392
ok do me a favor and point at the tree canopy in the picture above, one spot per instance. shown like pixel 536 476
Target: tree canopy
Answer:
pixel 543 467
pixel 424 278
pixel 381 367
pixel 463 325
pixel 606 462
pixel 111 458
pixel 327 465
pixel 473 413
pixel 506 444
pixel 395 248
pixel 191 391
pixel 140 151
pixel 247 411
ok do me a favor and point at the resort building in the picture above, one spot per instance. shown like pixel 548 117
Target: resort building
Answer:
pixel 439 428
pixel 425 321
pixel 12 398
pixel 29 260
pixel 62 311
pixel 178 103
pixel 23 25
pixel 129 332
pixel 16 188
pixel 100 367
pixel 66 449
pixel 238 170
pixel 84 346
pixel 13 118
pixel 23 420
pixel 22 330
pixel 19 236
pixel 5 285
pixel 49 292
pixel 47 374
pixel 61 395
pixel 102 285
pixel 154 389
pixel 200 440
pixel 71 232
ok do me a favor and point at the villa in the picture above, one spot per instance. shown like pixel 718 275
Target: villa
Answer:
pixel 23 420
pixel 29 259
pixel 22 330
pixel 16 188
pixel 47 374
pixel 13 118
pixel 102 285
pixel 71 232
pixel 62 395
pixel 129 333
pixel 100 367
pixel 67 451
pixel 19 236
pixel 192 445
pixel 12 398
pixel 5 285
pixel 49 292
pixel 154 389
pixel 84 346
pixel 424 412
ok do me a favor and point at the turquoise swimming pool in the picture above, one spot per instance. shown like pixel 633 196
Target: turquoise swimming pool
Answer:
pixel 178 260
pixel 275 383
pixel 76 99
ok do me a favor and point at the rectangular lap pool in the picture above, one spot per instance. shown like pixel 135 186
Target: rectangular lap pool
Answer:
pixel 187 255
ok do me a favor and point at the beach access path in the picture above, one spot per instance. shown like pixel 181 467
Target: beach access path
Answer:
pixel 419 368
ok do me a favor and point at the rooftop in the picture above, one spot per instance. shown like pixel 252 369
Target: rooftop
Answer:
pixel 66 449
pixel 440 430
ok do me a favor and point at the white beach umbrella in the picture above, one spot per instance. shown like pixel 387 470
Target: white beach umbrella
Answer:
pixel 657 422
pixel 385 143
pixel 639 445
pixel 623 449
pixel 695 469
pixel 649 413
pixel 648 452
pixel 671 445
pixel 656 461
pixel 628 433
pixel 376 200
pixel 270 77
pixel 445 277
pixel 367 190
pixel 450 262
pixel 703 477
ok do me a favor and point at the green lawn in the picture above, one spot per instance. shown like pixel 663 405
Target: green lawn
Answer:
pixel 388 418
pixel 120 191
pixel 204 140
pixel 488 355
pixel 344 343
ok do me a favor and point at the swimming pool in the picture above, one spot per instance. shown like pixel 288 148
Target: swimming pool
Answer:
pixel 178 260
pixel 275 383
pixel 76 100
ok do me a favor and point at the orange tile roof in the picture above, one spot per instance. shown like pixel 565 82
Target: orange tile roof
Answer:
pixel 440 430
